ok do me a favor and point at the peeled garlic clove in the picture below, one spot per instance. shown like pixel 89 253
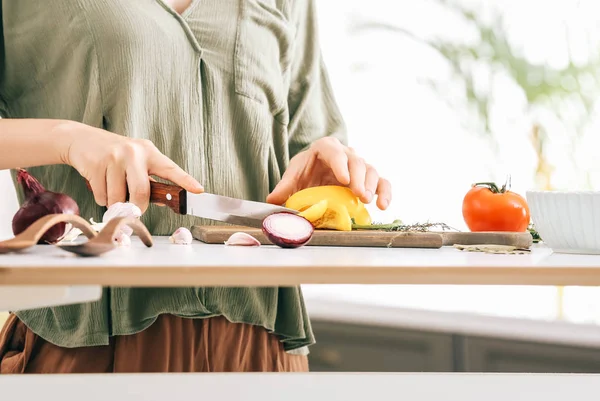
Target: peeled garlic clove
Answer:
pixel 122 239
pixel 242 239
pixel 74 233
pixel 181 236
pixel 71 235
pixel 122 209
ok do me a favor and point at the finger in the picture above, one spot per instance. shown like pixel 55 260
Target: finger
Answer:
pixel 165 168
pixel 98 185
pixel 371 182
pixel 283 190
pixel 358 171
pixel 115 185
pixel 139 185
pixel 334 156
pixel 384 193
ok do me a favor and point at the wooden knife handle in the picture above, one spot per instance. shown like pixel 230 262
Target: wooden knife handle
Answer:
pixel 172 196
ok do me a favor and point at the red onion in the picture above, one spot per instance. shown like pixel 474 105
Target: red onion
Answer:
pixel 38 203
pixel 287 230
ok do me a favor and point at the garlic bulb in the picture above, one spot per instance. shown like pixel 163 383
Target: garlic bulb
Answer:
pixel 122 209
pixel 242 239
pixel 181 236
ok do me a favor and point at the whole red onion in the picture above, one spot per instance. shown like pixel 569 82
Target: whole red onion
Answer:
pixel 38 203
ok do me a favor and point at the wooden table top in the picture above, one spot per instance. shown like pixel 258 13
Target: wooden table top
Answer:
pixel 200 264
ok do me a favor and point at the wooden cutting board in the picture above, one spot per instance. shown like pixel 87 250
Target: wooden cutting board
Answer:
pixel 371 238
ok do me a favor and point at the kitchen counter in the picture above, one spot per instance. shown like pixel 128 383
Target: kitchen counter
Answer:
pixel 302 387
pixel 166 264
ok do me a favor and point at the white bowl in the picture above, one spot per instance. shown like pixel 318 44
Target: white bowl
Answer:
pixel 568 222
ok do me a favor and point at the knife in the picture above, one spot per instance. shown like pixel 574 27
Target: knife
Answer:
pixel 213 207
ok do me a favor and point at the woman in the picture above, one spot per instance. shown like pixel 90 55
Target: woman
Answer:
pixel 232 94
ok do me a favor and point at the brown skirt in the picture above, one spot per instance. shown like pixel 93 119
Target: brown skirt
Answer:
pixel 171 344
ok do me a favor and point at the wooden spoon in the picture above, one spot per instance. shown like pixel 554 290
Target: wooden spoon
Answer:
pixel 34 232
pixel 104 241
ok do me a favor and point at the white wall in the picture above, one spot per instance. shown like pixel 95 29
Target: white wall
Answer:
pixel 8 204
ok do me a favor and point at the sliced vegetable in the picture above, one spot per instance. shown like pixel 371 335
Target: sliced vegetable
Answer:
pixel 242 239
pixel 489 208
pixel 315 212
pixel 287 230
pixel 335 218
pixel 342 207
pixel 38 203
pixel 181 236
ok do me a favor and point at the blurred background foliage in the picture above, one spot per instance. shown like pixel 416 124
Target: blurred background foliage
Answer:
pixel 566 95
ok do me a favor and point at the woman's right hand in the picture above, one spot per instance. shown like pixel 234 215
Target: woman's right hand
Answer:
pixel 114 164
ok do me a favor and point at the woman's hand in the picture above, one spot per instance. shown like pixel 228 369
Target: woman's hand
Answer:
pixel 329 162
pixel 115 164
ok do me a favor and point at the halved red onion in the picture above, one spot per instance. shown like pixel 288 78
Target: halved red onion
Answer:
pixel 287 230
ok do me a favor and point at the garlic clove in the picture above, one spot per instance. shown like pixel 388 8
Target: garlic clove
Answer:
pixel 122 239
pixel 75 233
pixel 242 239
pixel 181 236
pixel 122 209
pixel 71 236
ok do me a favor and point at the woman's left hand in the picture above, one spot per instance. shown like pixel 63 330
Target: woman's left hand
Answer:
pixel 329 162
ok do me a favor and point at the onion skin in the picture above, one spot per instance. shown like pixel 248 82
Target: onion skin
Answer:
pixel 38 203
pixel 290 241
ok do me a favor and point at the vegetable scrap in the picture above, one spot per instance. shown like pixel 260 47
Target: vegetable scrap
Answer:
pixel 119 209
pixel 287 230
pixel 40 202
pixel 181 236
pixel 496 249
pixel 122 209
pixel 534 234
pixel 242 239
pixel 74 233
pixel 122 239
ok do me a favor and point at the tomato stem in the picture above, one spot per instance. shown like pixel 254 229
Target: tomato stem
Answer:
pixel 493 187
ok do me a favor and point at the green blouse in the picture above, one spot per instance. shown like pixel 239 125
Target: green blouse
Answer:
pixel 230 90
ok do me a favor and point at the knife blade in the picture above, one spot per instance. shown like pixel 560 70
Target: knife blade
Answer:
pixel 213 207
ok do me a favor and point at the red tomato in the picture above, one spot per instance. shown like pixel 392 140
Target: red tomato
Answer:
pixel 487 208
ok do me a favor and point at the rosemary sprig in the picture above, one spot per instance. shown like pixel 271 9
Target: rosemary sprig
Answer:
pixel 398 225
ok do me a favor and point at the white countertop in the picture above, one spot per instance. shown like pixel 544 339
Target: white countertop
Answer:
pixel 167 264
pixel 302 387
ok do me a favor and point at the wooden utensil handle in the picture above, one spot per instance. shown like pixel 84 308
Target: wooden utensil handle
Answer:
pixel 172 196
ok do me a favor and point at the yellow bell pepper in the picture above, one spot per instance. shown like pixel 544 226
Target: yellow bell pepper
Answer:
pixel 330 207
pixel 315 212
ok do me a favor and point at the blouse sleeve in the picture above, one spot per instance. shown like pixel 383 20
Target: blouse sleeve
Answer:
pixel 314 113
